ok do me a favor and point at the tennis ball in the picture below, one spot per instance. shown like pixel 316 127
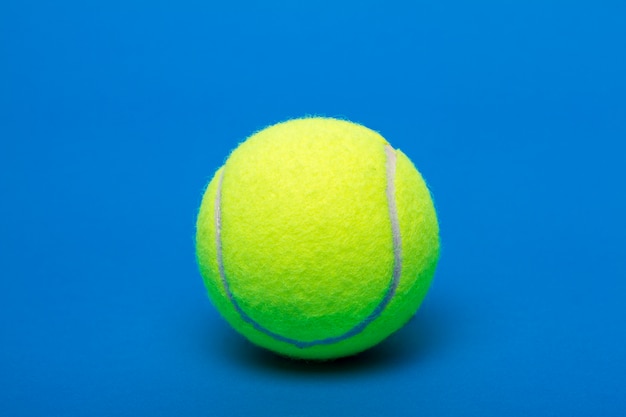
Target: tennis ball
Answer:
pixel 317 239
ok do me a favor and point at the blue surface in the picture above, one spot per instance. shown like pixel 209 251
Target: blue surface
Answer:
pixel 114 115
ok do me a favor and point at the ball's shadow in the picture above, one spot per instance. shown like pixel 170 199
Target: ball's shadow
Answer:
pixel 427 333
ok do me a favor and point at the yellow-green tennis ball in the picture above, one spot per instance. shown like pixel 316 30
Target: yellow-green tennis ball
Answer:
pixel 317 239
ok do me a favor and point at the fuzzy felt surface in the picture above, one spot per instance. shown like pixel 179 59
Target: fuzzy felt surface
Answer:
pixel 307 229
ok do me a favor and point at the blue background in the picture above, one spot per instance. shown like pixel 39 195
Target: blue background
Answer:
pixel 114 115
